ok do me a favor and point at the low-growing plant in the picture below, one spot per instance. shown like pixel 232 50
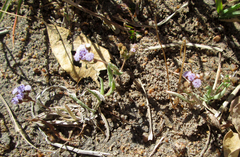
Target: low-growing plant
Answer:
pixel 228 13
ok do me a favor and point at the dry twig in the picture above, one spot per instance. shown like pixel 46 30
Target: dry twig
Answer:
pixel 187 44
pixel 18 128
pixel 169 17
pixel 218 71
pixel 207 143
pixel 150 136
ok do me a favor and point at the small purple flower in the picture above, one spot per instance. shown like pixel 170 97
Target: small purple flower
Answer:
pixel 197 83
pixel 81 53
pixel 22 92
pixel 186 73
pixel 20 96
pixel 28 88
pixel 19 89
pixel 15 100
pixel 191 76
pixel 88 57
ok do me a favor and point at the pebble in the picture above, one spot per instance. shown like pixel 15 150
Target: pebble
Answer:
pixel 217 38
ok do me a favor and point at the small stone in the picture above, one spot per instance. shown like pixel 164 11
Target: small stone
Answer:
pixel 217 38
pixel 145 137
pixel 233 67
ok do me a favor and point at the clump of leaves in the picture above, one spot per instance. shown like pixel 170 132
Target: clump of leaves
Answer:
pixel 133 34
pixel 228 13
pixel 218 93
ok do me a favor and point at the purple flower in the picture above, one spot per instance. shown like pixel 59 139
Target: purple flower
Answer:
pixel 80 53
pixel 28 88
pixel 191 76
pixel 186 73
pixel 21 91
pixel 196 83
pixel 20 96
pixel 15 100
pixel 88 57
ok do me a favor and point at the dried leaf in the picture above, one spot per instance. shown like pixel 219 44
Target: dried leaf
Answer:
pixel 234 103
pixel 231 144
pixel 235 113
pixel 62 48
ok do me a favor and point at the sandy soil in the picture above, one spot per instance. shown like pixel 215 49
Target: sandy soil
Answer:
pixel 185 127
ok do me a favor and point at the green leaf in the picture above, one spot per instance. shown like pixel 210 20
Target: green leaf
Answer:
pixel 219 6
pixel 110 74
pixel 70 112
pixel 115 69
pixel 231 9
pixel 230 15
pixel 95 94
pixel 113 86
pixel 5 8
pixel 102 86
pixel 179 96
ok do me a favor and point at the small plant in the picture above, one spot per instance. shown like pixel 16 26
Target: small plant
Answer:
pixel 229 13
pixel 210 93
pixel 22 92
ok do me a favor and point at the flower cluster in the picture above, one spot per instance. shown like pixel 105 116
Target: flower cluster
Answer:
pixel 82 53
pixel 22 93
pixel 193 78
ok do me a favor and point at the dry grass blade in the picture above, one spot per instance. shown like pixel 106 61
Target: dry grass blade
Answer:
pixel 225 103
pixel 106 125
pixel 218 71
pixel 187 44
pixel 183 60
pixel 18 128
pixel 157 145
pixel 94 14
pixel 169 17
pixel 208 140
pixel 164 55
pixel 150 136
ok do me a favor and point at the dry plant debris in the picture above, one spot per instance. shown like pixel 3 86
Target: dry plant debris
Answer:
pixel 62 49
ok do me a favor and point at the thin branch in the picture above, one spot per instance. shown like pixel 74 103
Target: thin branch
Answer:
pixel 106 125
pixel 157 145
pixel 169 17
pixel 80 151
pixel 94 14
pixel 187 44
pixel 218 71
pixel 207 143
pixel 164 55
pixel 150 136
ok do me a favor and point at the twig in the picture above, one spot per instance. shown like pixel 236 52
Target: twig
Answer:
pixel 169 17
pixel 157 145
pixel 18 128
pixel 13 14
pixel 187 44
pixel 225 103
pixel 164 55
pixel 218 71
pixel 207 143
pixel 106 125
pixel 94 14
pixel 80 151
pixel 150 136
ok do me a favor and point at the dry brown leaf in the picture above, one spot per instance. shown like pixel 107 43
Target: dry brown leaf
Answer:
pixel 235 113
pixel 231 144
pixel 61 47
